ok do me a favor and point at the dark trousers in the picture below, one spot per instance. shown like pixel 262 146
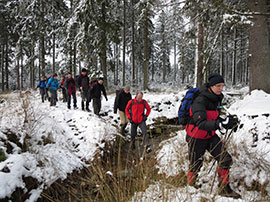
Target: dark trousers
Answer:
pixel 143 128
pixel 53 97
pixel 96 105
pixel 197 148
pixel 69 100
pixel 64 92
pixel 84 95
pixel 42 93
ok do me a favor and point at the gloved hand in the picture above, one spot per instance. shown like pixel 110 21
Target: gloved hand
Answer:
pixel 144 117
pixel 228 123
pixel 115 111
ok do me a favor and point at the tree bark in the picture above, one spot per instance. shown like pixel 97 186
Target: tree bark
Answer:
pixel 22 69
pixel 175 64
pixel 6 70
pixel 200 55
pixel 74 57
pixel 18 73
pixel 259 47
pixel 124 43
pixel 2 67
pixel 133 45
pixel 53 65
pixel 145 50
pixel 42 40
pixel 221 62
pixel 234 57
pixel 103 53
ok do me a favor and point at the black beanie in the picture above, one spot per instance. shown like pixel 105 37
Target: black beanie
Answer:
pixel 215 78
pixel 83 70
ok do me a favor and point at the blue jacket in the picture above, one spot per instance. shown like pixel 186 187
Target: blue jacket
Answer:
pixel 42 84
pixel 52 84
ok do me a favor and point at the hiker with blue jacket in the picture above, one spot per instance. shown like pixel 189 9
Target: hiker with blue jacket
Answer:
pixel 52 86
pixel 42 88
pixel 201 134
pixel 120 103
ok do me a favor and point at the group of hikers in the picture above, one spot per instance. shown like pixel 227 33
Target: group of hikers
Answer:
pixel 201 129
pixel 89 90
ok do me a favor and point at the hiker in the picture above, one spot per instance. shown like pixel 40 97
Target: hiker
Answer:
pixel 64 92
pixel 120 102
pixel 83 84
pixel 48 94
pixel 95 94
pixel 70 87
pixel 52 86
pixel 42 88
pixel 201 134
pixel 135 111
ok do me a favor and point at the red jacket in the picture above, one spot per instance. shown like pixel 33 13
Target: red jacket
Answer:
pixel 135 110
pixel 195 132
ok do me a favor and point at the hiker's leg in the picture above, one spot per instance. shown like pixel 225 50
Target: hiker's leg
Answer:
pixel 218 151
pixel 68 100
pixel 143 128
pixel 95 106
pixel 74 100
pixel 133 134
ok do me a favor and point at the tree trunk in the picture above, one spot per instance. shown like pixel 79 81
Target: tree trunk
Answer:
pixel 124 43
pixel 259 47
pixel 234 57
pixel 75 58
pixel 200 55
pixel 145 50
pixel 2 66
pixel 133 45
pixel 221 62
pixel 18 73
pixel 6 70
pixel 53 53
pixel 175 64
pixel 103 53
pixel 22 69
pixel 42 40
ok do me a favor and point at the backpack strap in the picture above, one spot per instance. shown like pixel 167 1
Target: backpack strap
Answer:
pixel 132 103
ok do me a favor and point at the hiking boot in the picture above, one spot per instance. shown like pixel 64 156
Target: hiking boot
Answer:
pixel 88 110
pixel 148 149
pixel 76 107
pixel 226 190
pixel 68 107
pixel 122 130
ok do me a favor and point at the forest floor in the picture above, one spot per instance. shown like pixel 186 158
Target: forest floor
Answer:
pixel 56 154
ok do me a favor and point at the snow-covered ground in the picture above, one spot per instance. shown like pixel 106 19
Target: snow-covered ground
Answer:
pixel 249 146
pixel 59 141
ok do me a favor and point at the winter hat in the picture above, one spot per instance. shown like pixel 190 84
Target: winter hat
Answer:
pixel 55 75
pixel 215 78
pixel 100 78
pixel 83 70
pixel 127 88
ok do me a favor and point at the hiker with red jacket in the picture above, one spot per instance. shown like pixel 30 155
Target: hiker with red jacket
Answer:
pixel 120 102
pixel 201 134
pixel 83 84
pixel 135 111
pixel 64 93
pixel 70 87
pixel 95 94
